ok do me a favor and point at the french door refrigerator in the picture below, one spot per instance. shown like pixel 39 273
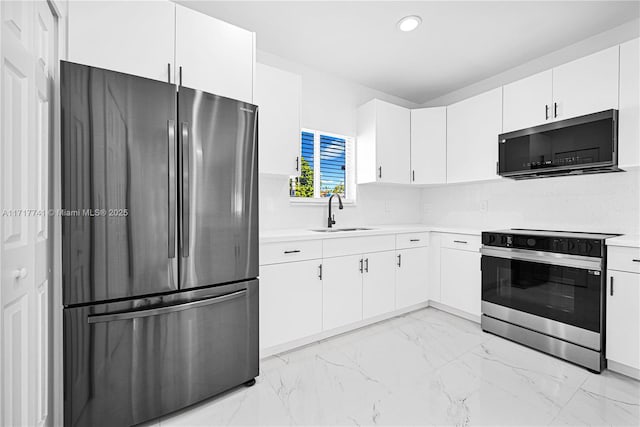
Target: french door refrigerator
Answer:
pixel 159 246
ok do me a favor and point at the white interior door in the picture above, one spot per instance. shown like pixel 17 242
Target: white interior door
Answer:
pixel 27 53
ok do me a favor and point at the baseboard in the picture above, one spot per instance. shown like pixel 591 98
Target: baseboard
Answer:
pixel 623 369
pixel 288 346
pixel 455 311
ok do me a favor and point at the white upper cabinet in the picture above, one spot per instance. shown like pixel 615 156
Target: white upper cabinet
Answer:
pixel 277 94
pixel 587 85
pixel 429 145
pixel 527 102
pixel 215 56
pixel 629 114
pixel 129 37
pixel 473 126
pixel 383 143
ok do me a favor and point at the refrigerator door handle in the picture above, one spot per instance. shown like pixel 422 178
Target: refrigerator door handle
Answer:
pixel 186 149
pixel 110 317
pixel 171 135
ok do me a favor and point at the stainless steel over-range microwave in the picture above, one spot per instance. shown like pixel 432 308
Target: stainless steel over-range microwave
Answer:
pixel 580 145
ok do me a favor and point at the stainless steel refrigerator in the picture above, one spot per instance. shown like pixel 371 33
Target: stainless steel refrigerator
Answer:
pixel 159 246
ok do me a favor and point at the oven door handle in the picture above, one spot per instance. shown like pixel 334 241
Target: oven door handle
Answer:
pixel 564 260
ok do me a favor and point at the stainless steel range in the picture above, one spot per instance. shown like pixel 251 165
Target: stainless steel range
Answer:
pixel 546 290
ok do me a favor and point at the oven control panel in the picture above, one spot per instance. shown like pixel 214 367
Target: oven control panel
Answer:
pixel 561 245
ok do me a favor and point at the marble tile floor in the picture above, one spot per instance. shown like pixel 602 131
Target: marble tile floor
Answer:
pixel 424 368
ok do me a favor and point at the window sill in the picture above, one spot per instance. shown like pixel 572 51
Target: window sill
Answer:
pixel 302 201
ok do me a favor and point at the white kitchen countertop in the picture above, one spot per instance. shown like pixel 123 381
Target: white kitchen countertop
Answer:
pixel 287 235
pixel 627 240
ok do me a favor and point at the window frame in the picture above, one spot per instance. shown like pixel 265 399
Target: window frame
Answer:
pixel 350 169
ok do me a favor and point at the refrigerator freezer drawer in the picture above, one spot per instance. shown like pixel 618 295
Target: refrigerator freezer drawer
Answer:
pixel 136 360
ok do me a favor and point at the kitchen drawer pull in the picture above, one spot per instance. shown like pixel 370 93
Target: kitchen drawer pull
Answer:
pixel 460 241
pixel 136 314
pixel 292 252
pixel 414 240
pixel 635 260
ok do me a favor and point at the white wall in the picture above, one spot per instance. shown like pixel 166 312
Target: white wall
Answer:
pixel 329 103
pixel 599 203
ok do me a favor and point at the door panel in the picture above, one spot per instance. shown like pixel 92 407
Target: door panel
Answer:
pixel 341 291
pixel 116 150
pixel 219 189
pixel 411 277
pixel 429 145
pixel 527 102
pixel 461 281
pixel 393 142
pixel 623 318
pixel 132 361
pixel 378 283
pixel 290 301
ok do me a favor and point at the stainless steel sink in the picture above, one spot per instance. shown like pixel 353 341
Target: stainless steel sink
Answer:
pixel 335 230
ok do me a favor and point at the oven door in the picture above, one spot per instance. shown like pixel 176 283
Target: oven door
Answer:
pixel 566 289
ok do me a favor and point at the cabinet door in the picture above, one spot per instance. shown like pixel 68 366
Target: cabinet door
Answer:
pixel 473 126
pixel 629 115
pixel 429 145
pixel 411 276
pixel 378 283
pixel 461 280
pixel 623 318
pixel 290 302
pixel 393 143
pixel 129 37
pixel 215 56
pixel 587 85
pixel 341 291
pixel 527 102
pixel 277 94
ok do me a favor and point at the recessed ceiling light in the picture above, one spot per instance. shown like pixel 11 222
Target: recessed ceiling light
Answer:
pixel 409 23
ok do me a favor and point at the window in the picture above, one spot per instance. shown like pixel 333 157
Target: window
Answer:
pixel 325 167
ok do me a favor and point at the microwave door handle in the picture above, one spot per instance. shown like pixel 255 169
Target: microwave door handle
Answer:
pixel 138 314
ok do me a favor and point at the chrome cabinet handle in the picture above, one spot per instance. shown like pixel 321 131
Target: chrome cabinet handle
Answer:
pixel 414 240
pixel 611 287
pixel 366 265
pixel 361 261
pixel 399 260
pixel 186 150
pixel 635 260
pixel 109 317
pixel 171 136
pixel 295 251
pixel 320 272
pixel 464 242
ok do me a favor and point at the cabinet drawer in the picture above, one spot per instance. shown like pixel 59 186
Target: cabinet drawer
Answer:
pixel 277 252
pixel 623 259
pixel 358 245
pixel 465 242
pixel 412 240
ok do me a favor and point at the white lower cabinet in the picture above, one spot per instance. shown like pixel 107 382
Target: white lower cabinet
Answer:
pixel 411 276
pixel 290 302
pixel 341 291
pixel 623 318
pixel 460 279
pixel 378 283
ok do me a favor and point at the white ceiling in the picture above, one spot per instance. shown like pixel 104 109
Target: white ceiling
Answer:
pixel 458 43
